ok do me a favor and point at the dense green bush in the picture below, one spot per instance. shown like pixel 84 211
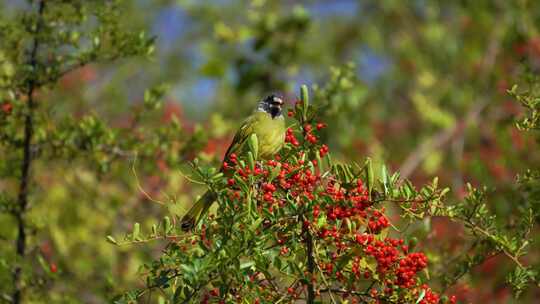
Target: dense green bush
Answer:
pixel 302 227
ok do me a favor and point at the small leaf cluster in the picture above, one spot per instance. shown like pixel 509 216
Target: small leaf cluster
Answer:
pixel 530 101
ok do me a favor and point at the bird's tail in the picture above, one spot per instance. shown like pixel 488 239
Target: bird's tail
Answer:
pixel 193 216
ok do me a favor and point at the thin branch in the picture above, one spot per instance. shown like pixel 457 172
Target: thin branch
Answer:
pixel 346 291
pixel 310 265
pixel 439 140
pixel 174 237
pixel 141 189
pixel 490 236
pixel 326 283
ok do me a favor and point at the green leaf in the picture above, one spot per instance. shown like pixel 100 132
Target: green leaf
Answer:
pixel 321 221
pixel 421 296
pixel 251 161
pixel 111 240
pixel 395 178
pixel 136 232
pixel 371 265
pixel 274 173
pixel 278 263
pixel 253 143
pixel 413 241
pixel 385 179
pixel 217 176
pixel 349 224
pixel 187 268
pixel 256 224
pixel 44 265
pixel 247 264
pixel 369 176
pixel 178 295
pixel 166 225
pixel 304 96
pixel 319 161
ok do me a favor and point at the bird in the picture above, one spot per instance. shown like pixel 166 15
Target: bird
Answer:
pixel 268 123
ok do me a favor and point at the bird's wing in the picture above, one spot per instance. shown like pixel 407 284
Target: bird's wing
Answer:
pixel 192 217
pixel 240 137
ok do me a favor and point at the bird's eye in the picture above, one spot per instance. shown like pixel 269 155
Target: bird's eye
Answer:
pixel 276 101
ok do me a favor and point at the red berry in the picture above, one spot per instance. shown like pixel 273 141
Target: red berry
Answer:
pixel 53 268
pixel 226 165
pixel 7 108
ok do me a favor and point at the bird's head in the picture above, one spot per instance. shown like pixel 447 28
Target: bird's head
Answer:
pixel 272 105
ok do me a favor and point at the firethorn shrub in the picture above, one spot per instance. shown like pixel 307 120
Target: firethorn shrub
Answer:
pixel 296 227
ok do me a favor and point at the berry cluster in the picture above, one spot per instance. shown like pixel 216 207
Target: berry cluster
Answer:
pixel 347 203
pixel 408 268
pixel 290 138
pixel 377 222
pixel 308 134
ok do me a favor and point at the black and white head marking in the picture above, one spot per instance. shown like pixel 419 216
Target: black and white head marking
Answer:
pixel 272 105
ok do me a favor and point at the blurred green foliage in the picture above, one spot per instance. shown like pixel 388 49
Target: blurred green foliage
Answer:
pixel 421 86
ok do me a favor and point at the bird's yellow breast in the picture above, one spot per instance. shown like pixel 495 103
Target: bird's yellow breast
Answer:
pixel 270 133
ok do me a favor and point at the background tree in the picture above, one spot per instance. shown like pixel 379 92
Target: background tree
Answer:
pixel 57 158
